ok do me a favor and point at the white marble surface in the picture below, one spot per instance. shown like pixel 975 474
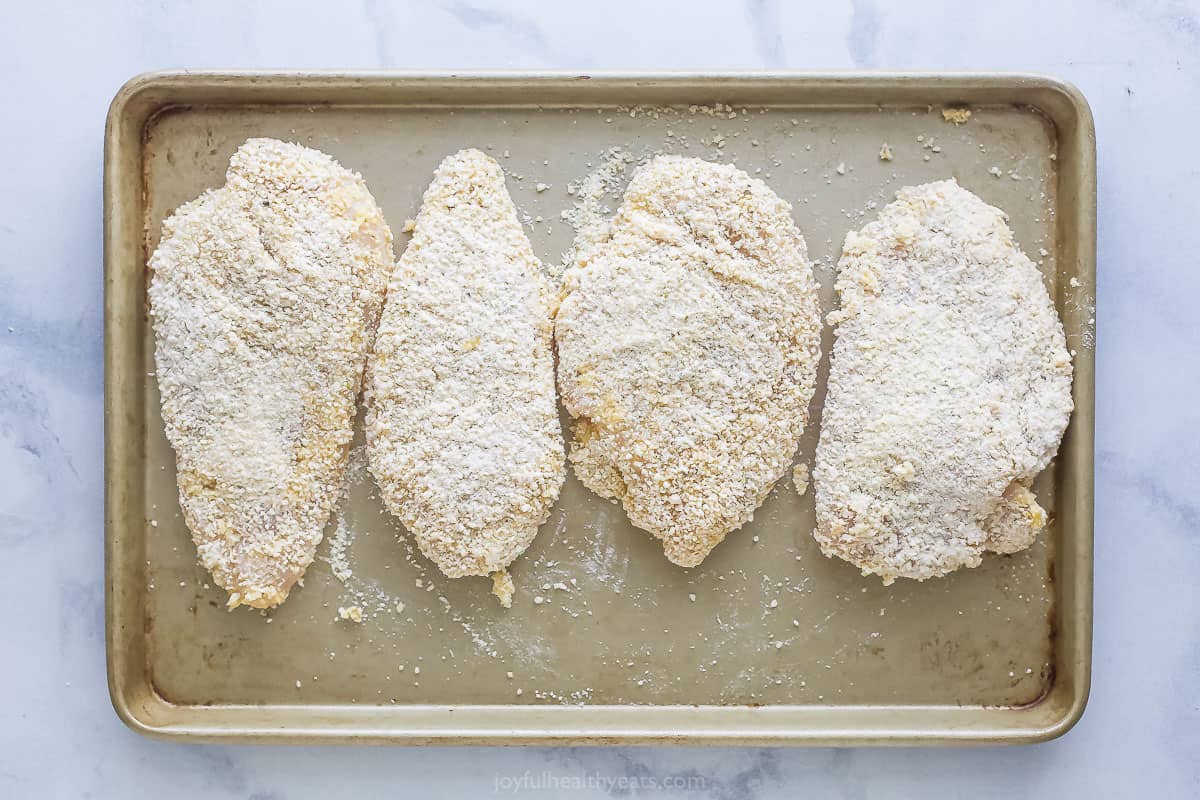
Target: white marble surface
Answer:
pixel 1139 64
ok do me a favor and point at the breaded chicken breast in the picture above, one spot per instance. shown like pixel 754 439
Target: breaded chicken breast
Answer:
pixel 264 296
pixel 949 390
pixel 462 425
pixel 688 338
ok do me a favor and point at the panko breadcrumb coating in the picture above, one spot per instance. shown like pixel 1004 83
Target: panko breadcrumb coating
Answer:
pixel 264 297
pixel 688 338
pixel 949 390
pixel 462 425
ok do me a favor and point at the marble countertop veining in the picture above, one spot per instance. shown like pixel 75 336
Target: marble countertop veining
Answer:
pixel 1138 62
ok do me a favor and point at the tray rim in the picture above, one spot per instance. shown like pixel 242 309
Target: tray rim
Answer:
pixel 131 691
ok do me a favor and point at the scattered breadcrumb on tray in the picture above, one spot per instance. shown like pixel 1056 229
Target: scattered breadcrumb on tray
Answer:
pixel 956 115
pixel 502 587
pixel 800 479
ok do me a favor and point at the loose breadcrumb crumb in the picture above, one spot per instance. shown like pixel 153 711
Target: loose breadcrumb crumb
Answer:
pixel 800 479
pixel 956 115
pixel 502 587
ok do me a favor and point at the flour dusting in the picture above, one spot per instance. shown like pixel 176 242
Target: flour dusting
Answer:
pixel 595 195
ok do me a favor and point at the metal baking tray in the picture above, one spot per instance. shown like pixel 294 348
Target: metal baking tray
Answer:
pixel 766 643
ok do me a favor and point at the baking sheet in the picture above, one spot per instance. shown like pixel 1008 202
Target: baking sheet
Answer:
pixel 606 640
